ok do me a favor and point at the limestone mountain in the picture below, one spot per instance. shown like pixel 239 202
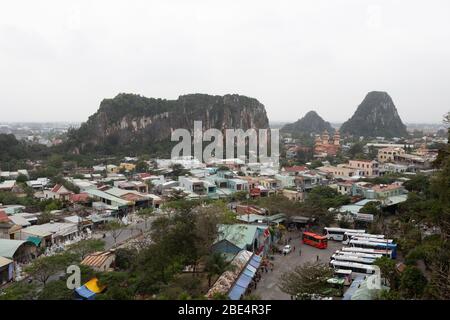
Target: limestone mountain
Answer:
pixel 131 123
pixel 311 123
pixel 376 116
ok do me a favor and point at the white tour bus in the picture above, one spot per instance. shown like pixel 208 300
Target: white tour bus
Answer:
pixel 337 234
pixel 360 254
pixel 373 239
pixel 386 253
pixel 355 267
pixel 350 258
pixel 351 235
pixel 344 274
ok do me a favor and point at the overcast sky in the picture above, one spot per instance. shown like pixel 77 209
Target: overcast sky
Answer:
pixel 59 59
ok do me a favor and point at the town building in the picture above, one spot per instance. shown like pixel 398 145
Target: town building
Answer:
pixel 324 147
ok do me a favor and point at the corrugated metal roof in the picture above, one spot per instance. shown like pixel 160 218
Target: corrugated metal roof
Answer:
pixel 9 247
pixel 5 261
pixel 96 259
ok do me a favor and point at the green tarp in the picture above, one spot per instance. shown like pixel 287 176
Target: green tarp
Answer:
pixel 35 240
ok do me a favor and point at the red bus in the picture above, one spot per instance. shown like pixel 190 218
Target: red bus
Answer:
pixel 315 240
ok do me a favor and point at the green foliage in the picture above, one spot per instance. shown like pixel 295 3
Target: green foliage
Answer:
pixel 412 282
pixel 309 278
pixel 7 197
pixel 216 265
pixel 84 247
pixel 418 183
pixel 21 178
pixel 126 258
pixel 119 286
pixel 56 290
pixel 142 166
pixel 316 164
pixel 43 268
pixel 45 217
pixel 19 291
pixel 326 197
pixel 388 271
pixel 372 207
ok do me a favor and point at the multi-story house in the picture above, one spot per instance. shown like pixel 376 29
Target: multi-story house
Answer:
pixel 389 154
pixel 366 168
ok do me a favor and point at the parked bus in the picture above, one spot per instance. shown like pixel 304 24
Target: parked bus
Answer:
pixel 385 253
pixel 344 274
pixel 375 245
pixel 351 235
pixel 315 240
pixel 346 257
pixel 337 234
pixel 373 239
pixel 354 267
pixel 360 254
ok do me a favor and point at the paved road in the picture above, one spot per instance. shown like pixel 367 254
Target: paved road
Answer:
pixel 268 288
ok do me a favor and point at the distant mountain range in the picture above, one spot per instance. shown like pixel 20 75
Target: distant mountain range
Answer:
pixel 376 116
pixel 311 123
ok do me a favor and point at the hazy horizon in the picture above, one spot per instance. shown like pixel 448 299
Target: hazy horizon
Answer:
pixel 59 60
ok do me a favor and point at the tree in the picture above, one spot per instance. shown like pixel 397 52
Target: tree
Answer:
pixel 412 282
pixel 119 286
pixel 309 278
pixel 418 183
pixel 21 178
pixel 316 164
pixel 125 258
pixel 43 268
pixel 116 228
pixel 216 265
pixel 142 166
pixel 146 214
pixel 372 207
pixel 357 149
pixel 83 248
pixel 177 194
pixel 178 170
pixel 45 217
pixel 56 290
pixel 19 291
pixel 388 271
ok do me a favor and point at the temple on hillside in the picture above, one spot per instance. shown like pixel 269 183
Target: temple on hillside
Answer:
pixel 324 146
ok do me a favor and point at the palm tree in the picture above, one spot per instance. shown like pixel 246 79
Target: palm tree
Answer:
pixel 216 265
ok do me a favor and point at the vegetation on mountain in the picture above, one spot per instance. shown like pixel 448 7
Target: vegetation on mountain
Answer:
pixel 376 116
pixel 311 123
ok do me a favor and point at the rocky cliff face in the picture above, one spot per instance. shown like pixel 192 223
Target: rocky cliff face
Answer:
pixel 376 116
pixel 311 123
pixel 132 123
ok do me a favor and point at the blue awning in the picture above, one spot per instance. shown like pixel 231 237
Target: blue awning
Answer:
pixel 245 278
pixel 236 292
pixel 244 281
pixel 85 292
pixel 248 273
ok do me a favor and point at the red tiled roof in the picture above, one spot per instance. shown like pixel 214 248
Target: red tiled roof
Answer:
pixel 56 188
pixel 82 197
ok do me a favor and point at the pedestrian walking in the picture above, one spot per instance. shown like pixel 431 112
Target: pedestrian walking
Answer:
pixel 300 252
pixel 317 258
pixel 294 248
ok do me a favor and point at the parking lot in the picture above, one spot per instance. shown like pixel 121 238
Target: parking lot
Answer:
pixel 267 287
